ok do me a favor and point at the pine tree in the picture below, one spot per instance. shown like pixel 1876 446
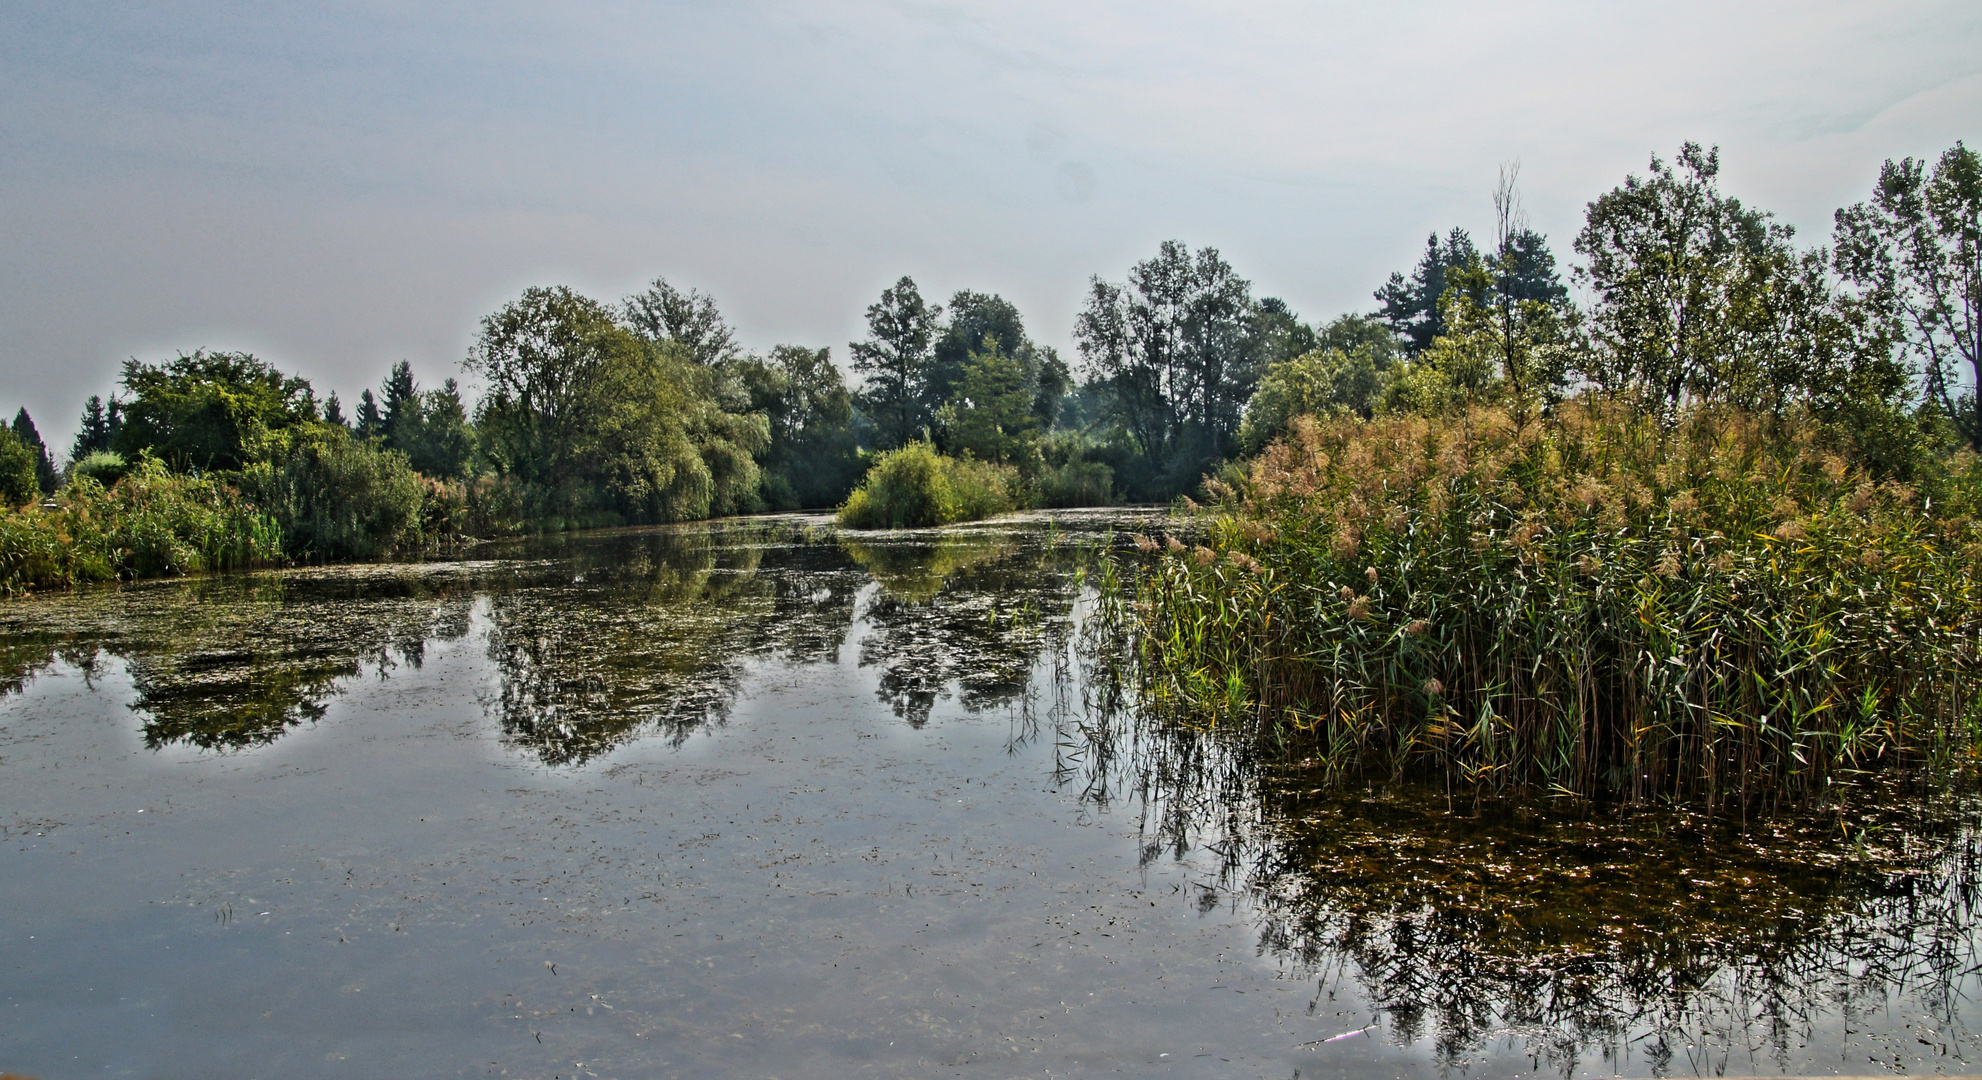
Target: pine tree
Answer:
pixel 44 469
pixel 401 398
pixel 370 423
pixel 333 411
pixel 94 433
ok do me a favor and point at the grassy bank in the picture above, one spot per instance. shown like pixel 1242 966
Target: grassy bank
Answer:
pixel 1718 611
pixel 316 495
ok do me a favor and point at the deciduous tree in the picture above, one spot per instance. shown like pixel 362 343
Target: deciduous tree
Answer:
pixel 1913 252
pixel 895 360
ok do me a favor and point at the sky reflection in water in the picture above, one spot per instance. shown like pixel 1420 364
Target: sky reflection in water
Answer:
pixel 1461 938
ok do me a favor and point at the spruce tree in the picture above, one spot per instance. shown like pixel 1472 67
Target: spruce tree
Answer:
pixel 370 423
pixel 94 433
pixel 44 469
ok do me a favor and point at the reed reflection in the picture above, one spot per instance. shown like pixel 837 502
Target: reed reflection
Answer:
pixel 1669 940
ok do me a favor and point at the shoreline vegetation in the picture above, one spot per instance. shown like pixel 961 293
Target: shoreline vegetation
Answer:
pixel 1709 537
pixel 1715 542
pixel 1597 605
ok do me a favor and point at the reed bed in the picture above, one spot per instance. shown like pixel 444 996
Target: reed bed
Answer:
pixel 151 523
pixel 1716 611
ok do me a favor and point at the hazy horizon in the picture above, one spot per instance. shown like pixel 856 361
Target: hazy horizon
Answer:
pixel 340 190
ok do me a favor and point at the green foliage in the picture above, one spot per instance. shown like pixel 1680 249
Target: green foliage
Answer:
pixel 915 487
pixel 18 483
pixel 1177 352
pixel 814 458
pixel 44 468
pixel 336 496
pixel 895 359
pixel 152 523
pixel 664 315
pixel 98 428
pixel 1516 352
pixel 1701 298
pixel 209 411
pixel 1914 255
pixel 599 423
pixel 430 427
pixel 106 467
pixel 990 415
pixel 1323 382
pixel 1410 306
pixel 371 422
pixel 1716 611
pixel 1077 483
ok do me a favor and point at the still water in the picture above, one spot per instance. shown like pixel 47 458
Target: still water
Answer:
pixel 765 799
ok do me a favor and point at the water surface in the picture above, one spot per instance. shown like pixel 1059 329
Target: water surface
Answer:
pixel 761 799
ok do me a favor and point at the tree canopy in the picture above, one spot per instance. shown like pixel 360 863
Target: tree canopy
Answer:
pixel 1914 254
pixel 208 411
pixel 1177 350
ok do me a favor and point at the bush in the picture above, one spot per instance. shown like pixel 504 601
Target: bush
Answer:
pixel 339 497
pixel 496 505
pixel 1077 483
pixel 914 487
pixel 106 467
pixel 1067 476
pixel 150 524
pixel 1604 606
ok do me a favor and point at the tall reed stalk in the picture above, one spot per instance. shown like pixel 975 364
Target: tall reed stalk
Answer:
pixel 1718 611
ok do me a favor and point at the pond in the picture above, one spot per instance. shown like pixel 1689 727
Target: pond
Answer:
pixel 760 798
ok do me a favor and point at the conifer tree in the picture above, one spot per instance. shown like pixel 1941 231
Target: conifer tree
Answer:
pixel 44 469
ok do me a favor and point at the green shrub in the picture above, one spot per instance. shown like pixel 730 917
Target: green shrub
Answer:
pixel 1077 483
pixel 496 505
pixel 1604 606
pixel 339 497
pixel 106 467
pixel 150 524
pixel 18 482
pixel 914 487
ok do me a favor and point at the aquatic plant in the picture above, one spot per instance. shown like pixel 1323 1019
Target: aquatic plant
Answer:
pixel 915 487
pixel 1719 610
pixel 152 523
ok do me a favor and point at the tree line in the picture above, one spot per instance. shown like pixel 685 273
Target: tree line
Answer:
pixel 650 409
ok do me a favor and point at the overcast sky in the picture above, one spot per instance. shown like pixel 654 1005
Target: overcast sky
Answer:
pixel 336 187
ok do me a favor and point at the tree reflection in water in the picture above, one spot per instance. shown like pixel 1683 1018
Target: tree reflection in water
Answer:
pixel 1583 933
pixel 595 640
pixel 234 662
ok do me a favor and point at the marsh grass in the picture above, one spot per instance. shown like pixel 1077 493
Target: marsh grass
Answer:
pixel 1714 612
pixel 151 523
